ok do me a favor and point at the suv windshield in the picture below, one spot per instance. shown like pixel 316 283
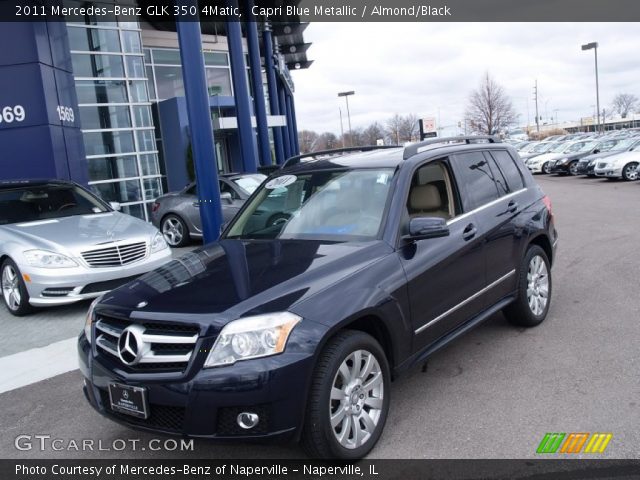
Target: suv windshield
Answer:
pixel 43 202
pixel 323 205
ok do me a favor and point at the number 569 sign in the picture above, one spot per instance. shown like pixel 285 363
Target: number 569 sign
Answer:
pixel 10 114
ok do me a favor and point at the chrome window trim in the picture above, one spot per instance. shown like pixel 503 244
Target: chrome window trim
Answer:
pixel 464 302
pixel 486 205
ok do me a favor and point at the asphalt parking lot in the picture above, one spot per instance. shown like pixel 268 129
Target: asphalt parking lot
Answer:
pixel 492 394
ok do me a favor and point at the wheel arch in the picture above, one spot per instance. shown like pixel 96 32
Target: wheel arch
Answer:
pixel 543 242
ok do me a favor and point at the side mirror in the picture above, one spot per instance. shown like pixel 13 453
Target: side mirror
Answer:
pixel 116 206
pixel 226 197
pixel 421 228
pixel 597 150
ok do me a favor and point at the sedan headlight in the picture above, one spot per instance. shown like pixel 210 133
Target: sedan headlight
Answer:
pixel 252 337
pixel 562 161
pixel 89 320
pixel 46 259
pixel 158 243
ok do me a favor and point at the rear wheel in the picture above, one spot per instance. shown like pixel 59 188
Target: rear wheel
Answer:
pixel 14 291
pixel 629 171
pixel 349 398
pixel 175 231
pixel 534 290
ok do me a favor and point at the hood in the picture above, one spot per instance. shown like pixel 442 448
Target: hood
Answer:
pixel 237 277
pixel 597 156
pixel 546 157
pixel 575 156
pixel 624 157
pixel 80 231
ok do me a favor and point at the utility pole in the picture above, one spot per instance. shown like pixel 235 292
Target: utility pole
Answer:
pixel 341 128
pixel 535 97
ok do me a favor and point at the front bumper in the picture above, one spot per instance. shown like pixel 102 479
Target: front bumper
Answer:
pixel 535 168
pixel 562 168
pixel 608 171
pixel 205 403
pixel 582 168
pixel 61 286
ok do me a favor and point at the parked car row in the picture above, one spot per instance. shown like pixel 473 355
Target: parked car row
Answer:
pixel 615 155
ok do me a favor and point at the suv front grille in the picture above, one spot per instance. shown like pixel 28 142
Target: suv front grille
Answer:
pixel 115 256
pixel 162 347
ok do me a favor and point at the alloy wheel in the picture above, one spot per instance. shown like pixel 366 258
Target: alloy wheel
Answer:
pixel 630 172
pixel 573 168
pixel 11 288
pixel 172 231
pixel 545 168
pixel 357 394
pixel 537 285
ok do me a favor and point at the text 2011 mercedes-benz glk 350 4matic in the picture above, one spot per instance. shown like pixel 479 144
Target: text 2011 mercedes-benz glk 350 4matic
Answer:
pixel 339 273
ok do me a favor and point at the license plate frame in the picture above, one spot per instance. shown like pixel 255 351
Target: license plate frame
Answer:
pixel 129 400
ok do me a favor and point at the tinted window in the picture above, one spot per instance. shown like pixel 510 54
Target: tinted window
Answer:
pixel 475 179
pixel 510 171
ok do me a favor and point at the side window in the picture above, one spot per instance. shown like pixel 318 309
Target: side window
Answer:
pixel 226 188
pixel 431 193
pixel 475 179
pixel 509 170
pixel 192 190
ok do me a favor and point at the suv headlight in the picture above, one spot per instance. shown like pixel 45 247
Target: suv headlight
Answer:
pixel 252 337
pixel 46 259
pixel 89 319
pixel 158 243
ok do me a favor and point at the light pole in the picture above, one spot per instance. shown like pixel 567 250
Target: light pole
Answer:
pixel 594 46
pixel 346 98
pixel 555 110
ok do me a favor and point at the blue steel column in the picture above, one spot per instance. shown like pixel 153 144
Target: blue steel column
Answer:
pixel 293 134
pixel 258 90
pixel 285 129
pixel 272 85
pixel 241 93
pixel 202 143
pixel 294 122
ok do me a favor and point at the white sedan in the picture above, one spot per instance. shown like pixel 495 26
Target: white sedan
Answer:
pixel 623 165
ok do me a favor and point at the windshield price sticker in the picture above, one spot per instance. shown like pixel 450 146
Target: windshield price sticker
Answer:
pixel 282 181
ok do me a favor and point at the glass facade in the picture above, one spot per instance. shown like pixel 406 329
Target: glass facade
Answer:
pixel 164 71
pixel 114 97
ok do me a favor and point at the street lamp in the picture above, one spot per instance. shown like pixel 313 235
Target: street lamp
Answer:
pixel 594 46
pixel 346 98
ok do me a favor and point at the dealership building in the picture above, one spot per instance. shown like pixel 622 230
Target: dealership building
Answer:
pixel 101 101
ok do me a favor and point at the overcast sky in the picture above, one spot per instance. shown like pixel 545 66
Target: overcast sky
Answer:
pixel 424 68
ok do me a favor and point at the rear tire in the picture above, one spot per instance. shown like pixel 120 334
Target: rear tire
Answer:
pixel 534 290
pixel 14 290
pixel 175 231
pixel 629 172
pixel 349 398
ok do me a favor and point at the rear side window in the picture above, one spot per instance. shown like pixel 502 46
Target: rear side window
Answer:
pixel 508 170
pixel 476 180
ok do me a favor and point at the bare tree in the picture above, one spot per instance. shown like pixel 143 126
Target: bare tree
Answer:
pixel 623 103
pixel 326 141
pixel 372 134
pixel 392 131
pixel 307 140
pixel 490 109
pixel 409 128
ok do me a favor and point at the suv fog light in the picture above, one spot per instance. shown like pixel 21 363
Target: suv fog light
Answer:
pixel 248 420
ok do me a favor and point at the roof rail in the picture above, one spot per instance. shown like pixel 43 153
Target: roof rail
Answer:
pixel 411 150
pixel 333 152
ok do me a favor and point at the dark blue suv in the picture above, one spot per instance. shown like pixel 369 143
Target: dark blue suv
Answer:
pixel 339 273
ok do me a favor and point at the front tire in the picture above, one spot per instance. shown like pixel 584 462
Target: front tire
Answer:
pixel 629 171
pixel 175 231
pixel 534 290
pixel 573 168
pixel 14 290
pixel 349 398
pixel 545 168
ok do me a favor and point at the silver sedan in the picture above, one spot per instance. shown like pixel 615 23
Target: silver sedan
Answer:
pixel 60 244
pixel 177 214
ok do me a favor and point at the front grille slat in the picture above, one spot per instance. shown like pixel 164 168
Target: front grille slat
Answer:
pixel 166 347
pixel 115 256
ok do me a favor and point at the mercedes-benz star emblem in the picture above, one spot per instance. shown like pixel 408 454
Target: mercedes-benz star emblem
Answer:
pixel 130 344
pixel 125 394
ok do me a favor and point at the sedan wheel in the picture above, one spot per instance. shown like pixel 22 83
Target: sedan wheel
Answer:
pixel 573 168
pixel 14 292
pixel 545 168
pixel 629 171
pixel 175 231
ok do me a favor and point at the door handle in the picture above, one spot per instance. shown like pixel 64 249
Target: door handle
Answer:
pixel 196 204
pixel 513 206
pixel 469 232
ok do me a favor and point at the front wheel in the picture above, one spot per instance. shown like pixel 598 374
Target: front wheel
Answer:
pixel 546 168
pixel 14 291
pixel 573 168
pixel 349 398
pixel 531 306
pixel 629 171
